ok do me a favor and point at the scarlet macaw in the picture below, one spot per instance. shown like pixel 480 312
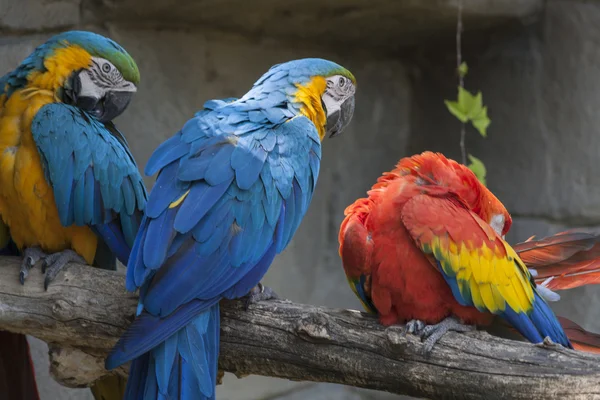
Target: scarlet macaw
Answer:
pixel 426 247
pixel 232 188
pixel 70 189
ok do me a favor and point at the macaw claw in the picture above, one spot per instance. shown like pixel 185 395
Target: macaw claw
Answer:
pixel 31 256
pixel 54 263
pixel 432 333
pixel 260 293
pixel 414 326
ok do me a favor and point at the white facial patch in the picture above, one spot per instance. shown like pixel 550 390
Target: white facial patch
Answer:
pixel 88 87
pixel 339 88
pixel 497 223
pixel 101 77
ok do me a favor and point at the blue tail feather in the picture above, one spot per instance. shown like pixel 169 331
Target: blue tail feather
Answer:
pixel 138 372
pixel 147 331
pixel 538 324
pixel 184 367
pixel 547 323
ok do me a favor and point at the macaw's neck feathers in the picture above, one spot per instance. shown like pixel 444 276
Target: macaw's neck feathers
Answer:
pixel 58 66
pixel 280 99
pixel 298 86
pixel 53 62
pixel 309 99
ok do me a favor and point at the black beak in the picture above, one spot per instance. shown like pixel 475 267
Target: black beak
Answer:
pixel 339 120
pixel 105 109
pixel 110 106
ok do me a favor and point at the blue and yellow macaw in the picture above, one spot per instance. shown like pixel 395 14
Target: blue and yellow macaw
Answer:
pixel 70 189
pixel 233 186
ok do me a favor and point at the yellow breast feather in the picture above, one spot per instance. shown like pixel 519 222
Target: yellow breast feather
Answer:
pixel 27 203
pixel 310 97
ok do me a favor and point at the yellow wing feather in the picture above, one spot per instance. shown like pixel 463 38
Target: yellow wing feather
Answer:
pixel 487 270
pixel 494 280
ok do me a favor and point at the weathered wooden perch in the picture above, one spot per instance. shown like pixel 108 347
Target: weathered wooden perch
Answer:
pixel 86 309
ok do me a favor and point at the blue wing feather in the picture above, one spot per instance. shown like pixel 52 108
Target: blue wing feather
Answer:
pixel 201 199
pixel 534 325
pixel 169 189
pixel 93 175
pixel 246 199
pixel 169 151
pixel 159 237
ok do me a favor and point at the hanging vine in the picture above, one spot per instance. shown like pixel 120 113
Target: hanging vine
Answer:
pixel 468 107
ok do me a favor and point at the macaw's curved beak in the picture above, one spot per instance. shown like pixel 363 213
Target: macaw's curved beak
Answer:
pixel 111 105
pixel 339 120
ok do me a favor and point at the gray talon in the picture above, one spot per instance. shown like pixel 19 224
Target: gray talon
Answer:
pixel 55 262
pixel 414 326
pixel 432 333
pixel 31 256
pixel 51 263
pixel 260 293
pixel 548 343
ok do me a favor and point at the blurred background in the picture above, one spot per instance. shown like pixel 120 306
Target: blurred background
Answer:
pixel 536 62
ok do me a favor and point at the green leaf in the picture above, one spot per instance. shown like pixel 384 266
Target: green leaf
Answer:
pixel 465 100
pixel 476 106
pixel 481 122
pixel 456 110
pixel 463 68
pixel 470 108
pixel 478 168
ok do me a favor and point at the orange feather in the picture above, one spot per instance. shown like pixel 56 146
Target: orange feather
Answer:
pixel 569 259
pixel 581 339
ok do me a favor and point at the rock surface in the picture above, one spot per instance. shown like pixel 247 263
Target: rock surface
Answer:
pixel 541 84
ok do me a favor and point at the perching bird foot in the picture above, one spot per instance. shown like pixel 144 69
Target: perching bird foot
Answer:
pixel 432 333
pixel 51 263
pixel 260 293
pixel 548 343
pixel 414 326
pixel 54 263
pixel 31 256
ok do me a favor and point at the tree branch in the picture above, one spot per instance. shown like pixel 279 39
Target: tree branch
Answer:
pixel 86 309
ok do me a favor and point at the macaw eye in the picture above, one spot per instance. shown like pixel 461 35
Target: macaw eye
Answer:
pixel 106 68
pixel 341 82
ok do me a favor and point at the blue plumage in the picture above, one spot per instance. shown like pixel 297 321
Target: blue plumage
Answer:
pixel 534 325
pixel 233 186
pixel 94 177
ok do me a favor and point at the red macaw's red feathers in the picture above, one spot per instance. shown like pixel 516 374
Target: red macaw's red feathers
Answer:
pixel 563 261
pixel 17 376
pixel 581 339
pixel 427 244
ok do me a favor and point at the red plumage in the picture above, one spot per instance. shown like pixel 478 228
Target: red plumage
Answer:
pixel 570 258
pixel 396 279
pixel 581 339
pixel 412 288
pixel 17 376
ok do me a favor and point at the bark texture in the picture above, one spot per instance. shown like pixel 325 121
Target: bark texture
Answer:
pixel 85 310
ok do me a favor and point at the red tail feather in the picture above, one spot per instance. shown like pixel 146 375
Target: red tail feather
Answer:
pixel 581 339
pixel 570 258
pixel 17 376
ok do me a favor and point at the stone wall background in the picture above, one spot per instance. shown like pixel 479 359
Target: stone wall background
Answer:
pixel 536 62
